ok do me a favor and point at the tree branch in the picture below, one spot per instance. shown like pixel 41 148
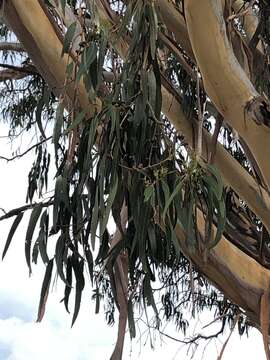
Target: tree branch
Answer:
pixel 11 46
pixel 26 151
pixel 15 212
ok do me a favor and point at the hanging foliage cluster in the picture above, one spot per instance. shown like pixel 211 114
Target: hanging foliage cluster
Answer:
pixel 124 163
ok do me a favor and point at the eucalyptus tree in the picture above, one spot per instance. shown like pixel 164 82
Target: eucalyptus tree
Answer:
pixel 159 115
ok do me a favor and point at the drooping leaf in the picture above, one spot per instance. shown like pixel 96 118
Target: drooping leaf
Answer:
pixel 79 118
pixel 29 233
pixel 170 199
pixel 69 283
pixel 69 38
pixel 35 252
pixel 63 6
pixel 110 200
pixel 148 193
pixel 12 232
pixel 131 322
pixel 45 290
pixel 148 293
pixel 90 262
pixel 78 271
pixel 94 222
pixel 39 109
pixel 57 131
pixel 43 236
pixel 59 256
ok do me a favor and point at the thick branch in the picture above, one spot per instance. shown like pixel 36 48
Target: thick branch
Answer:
pixel 232 93
pixel 237 275
pixel 12 72
pixel 246 187
pixel 36 32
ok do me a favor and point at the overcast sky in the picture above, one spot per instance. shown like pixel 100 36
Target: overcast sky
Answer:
pixel 21 338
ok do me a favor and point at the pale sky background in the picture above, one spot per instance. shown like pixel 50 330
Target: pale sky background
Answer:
pixel 90 338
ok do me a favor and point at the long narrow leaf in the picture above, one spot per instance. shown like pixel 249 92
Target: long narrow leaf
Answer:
pixel 45 290
pixel 29 233
pixel 78 270
pixel 12 232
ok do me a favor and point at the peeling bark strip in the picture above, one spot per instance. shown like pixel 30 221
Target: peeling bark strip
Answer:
pixel 232 92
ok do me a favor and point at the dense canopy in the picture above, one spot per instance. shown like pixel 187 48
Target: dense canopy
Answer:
pixel 159 115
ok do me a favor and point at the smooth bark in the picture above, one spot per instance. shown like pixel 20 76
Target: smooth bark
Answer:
pixel 232 93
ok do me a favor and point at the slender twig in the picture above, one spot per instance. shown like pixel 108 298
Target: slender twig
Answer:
pixel 192 340
pixel 15 212
pixel 227 340
pixel 11 46
pixel 26 151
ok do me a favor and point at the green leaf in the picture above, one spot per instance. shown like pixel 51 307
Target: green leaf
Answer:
pixel 69 38
pixel 97 296
pixel 131 322
pixel 90 263
pixel 29 233
pixel 61 196
pixel 221 220
pixel 56 202
pixel 57 131
pixel 35 252
pixel 152 238
pixel 148 293
pixel 69 283
pixel 139 112
pixel 169 201
pixel 59 256
pixel 94 221
pixel 219 182
pixel 63 6
pixel 152 88
pixel 45 290
pixel 42 246
pixel 79 118
pixel 92 135
pixel 101 56
pixel 12 232
pixel 78 271
pixel 148 193
pixel 110 200
pixel 43 236
pixel 39 109
pixel 190 224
